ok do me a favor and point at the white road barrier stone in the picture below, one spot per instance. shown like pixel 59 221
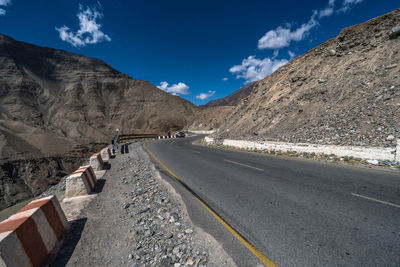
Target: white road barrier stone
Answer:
pixel 28 237
pixel 105 154
pixel 96 162
pixel 81 182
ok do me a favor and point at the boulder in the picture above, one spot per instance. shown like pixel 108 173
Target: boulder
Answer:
pixel 395 32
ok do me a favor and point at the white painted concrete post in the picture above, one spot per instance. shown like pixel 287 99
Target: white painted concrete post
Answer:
pixel 96 162
pixel 105 154
pixel 397 155
pixel 41 219
pixel 81 182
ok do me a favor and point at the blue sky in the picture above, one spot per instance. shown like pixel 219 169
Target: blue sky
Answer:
pixel 200 50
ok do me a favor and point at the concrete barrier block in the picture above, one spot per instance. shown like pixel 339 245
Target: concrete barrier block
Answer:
pixel 105 154
pixel 28 237
pixel 96 162
pixel 397 155
pixel 81 182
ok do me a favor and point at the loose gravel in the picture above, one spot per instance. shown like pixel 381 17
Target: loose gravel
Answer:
pixel 137 220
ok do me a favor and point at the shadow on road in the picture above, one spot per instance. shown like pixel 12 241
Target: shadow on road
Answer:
pixel 69 243
pixel 99 186
pixel 107 166
pixel 124 149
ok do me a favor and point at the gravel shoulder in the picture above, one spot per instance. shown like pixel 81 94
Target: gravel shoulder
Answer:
pixel 137 219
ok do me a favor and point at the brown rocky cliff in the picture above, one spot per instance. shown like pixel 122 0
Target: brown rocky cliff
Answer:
pixel 210 118
pixel 232 99
pixel 345 91
pixel 53 101
pixel 72 98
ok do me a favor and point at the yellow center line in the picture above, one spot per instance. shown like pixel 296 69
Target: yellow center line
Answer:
pixel 194 151
pixel 376 200
pixel 264 259
pixel 245 165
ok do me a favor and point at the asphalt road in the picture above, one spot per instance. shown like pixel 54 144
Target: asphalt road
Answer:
pixel 296 212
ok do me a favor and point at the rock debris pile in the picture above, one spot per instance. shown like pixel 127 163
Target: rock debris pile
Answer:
pixel 160 234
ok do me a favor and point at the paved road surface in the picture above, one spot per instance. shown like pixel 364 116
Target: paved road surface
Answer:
pixel 298 213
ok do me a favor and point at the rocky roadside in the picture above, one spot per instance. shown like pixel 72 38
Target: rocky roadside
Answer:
pixel 346 161
pixel 137 220
pixel 344 92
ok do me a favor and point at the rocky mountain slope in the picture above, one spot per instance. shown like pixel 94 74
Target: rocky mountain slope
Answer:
pixel 345 91
pixel 53 102
pixel 210 118
pixel 232 99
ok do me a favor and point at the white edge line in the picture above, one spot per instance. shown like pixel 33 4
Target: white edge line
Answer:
pixel 376 200
pixel 245 165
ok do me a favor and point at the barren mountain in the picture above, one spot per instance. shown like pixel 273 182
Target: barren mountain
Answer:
pixel 210 118
pixel 53 102
pixel 232 99
pixel 345 91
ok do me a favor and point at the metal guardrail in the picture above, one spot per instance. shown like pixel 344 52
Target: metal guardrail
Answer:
pixel 124 137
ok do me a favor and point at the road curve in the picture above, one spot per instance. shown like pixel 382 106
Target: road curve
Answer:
pixel 297 213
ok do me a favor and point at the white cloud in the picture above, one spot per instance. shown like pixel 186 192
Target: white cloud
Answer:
pixel 4 3
pixel 254 69
pixel 203 96
pixel 89 30
pixel 225 79
pixel 283 36
pixel 291 54
pixel 347 5
pixel 174 89
pixel 328 10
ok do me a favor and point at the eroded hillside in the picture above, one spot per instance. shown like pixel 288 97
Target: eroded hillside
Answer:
pixel 232 99
pixel 211 118
pixel 345 91
pixel 52 102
